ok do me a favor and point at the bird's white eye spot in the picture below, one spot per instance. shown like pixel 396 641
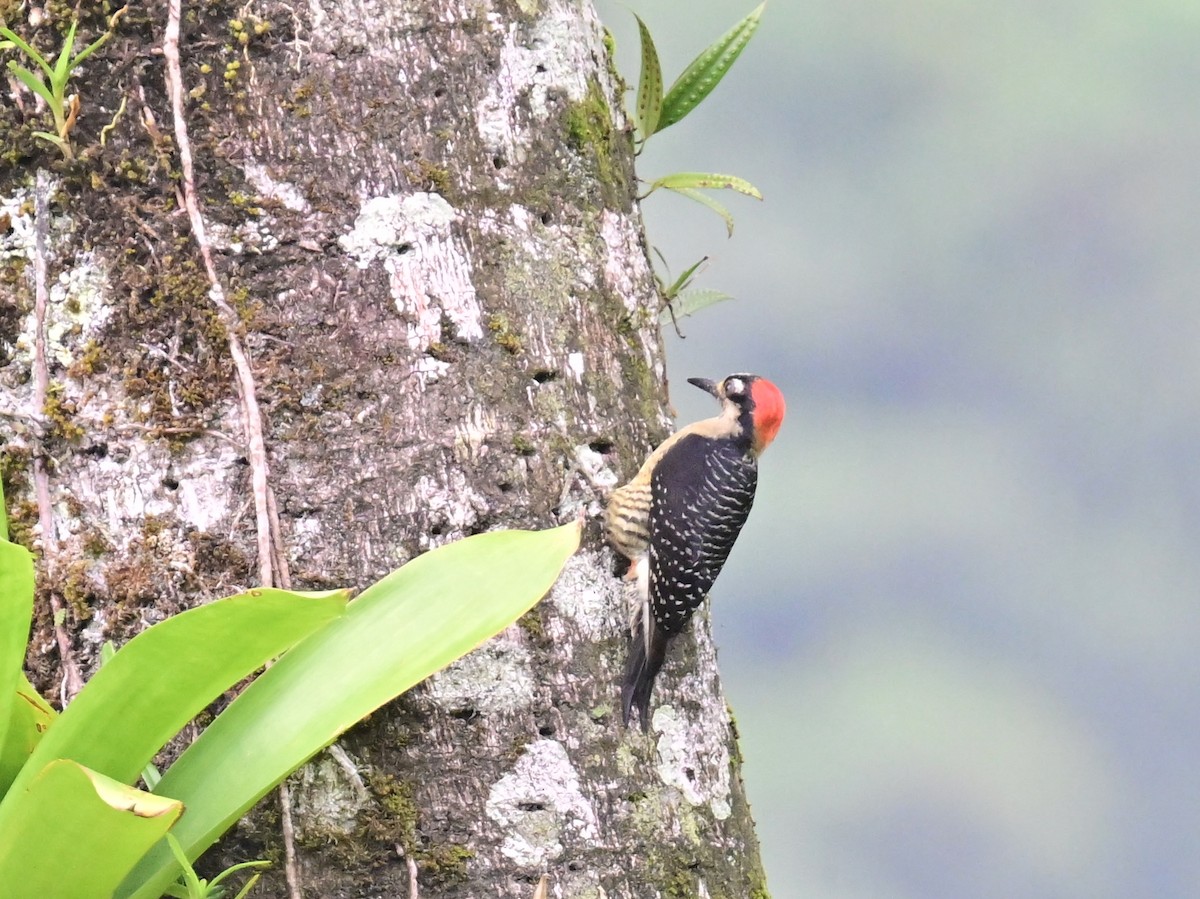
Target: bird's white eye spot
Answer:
pixel 734 387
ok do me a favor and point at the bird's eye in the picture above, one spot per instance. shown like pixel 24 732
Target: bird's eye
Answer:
pixel 734 387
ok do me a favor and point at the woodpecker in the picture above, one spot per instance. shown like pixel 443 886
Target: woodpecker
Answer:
pixel 677 520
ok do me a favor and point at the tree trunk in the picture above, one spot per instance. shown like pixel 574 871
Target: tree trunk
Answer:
pixel 423 223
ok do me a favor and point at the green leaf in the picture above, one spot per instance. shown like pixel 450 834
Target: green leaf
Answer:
pixel 245 891
pixel 74 834
pixel 3 513
pixel 62 66
pixel 189 879
pixel 150 774
pixel 32 82
pixel 684 279
pixel 29 718
pixel 706 70
pixel 167 674
pixel 650 84
pixel 16 612
pixel 400 630
pixel 707 180
pixel 26 49
pixel 706 200
pixel 241 866
pixel 90 49
pixel 689 302
pixel 61 144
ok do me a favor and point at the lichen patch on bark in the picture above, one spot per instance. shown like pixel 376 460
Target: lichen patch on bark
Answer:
pixel 576 366
pixel 589 597
pixel 497 677
pixel 552 57
pixel 693 759
pixel 283 192
pixel 16 241
pixel 622 237
pixel 451 498
pixel 77 307
pixel 76 311
pixel 207 491
pixel 428 267
pixel 326 801
pixel 693 743
pixel 539 803
pixel 595 468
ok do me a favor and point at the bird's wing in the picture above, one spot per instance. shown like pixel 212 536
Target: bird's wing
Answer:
pixel 702 493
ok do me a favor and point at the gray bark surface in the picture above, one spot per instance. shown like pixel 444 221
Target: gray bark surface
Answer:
pixel 424 215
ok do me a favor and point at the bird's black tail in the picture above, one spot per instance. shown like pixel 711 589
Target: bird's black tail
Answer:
pixel 643 666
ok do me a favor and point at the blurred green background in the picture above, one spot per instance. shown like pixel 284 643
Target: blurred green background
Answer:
pixel 959 630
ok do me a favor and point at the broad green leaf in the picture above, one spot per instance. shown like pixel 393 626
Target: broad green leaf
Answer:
pixel 150 774
pixel 74 834
pixel 689 302
pixel 32 82
pixel 3 513
pixel 708 180
pixel 62 66
pixel 26 49
pixel 650 84
pixel 30 717
pixel 167 674
pixel 706 200
pixel 706 70
pixel 16 611
pixel 402 629
pixel 45 712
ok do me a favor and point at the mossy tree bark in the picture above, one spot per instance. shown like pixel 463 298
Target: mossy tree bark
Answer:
pixel 424 218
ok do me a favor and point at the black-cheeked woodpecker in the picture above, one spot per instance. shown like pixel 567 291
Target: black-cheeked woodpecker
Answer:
pixel 677 520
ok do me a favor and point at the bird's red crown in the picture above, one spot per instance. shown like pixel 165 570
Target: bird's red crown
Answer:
pixel 768 412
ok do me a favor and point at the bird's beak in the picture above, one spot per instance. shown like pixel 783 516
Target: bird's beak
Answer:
pixel 706 385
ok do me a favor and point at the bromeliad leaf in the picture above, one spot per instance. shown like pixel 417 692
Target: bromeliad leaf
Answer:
pixel 16 611
pixel 121 718
pixel 434 609
pixel 29 717
pixel 650 84
pixel 86 852
pixel 706 70
pixel 709 180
